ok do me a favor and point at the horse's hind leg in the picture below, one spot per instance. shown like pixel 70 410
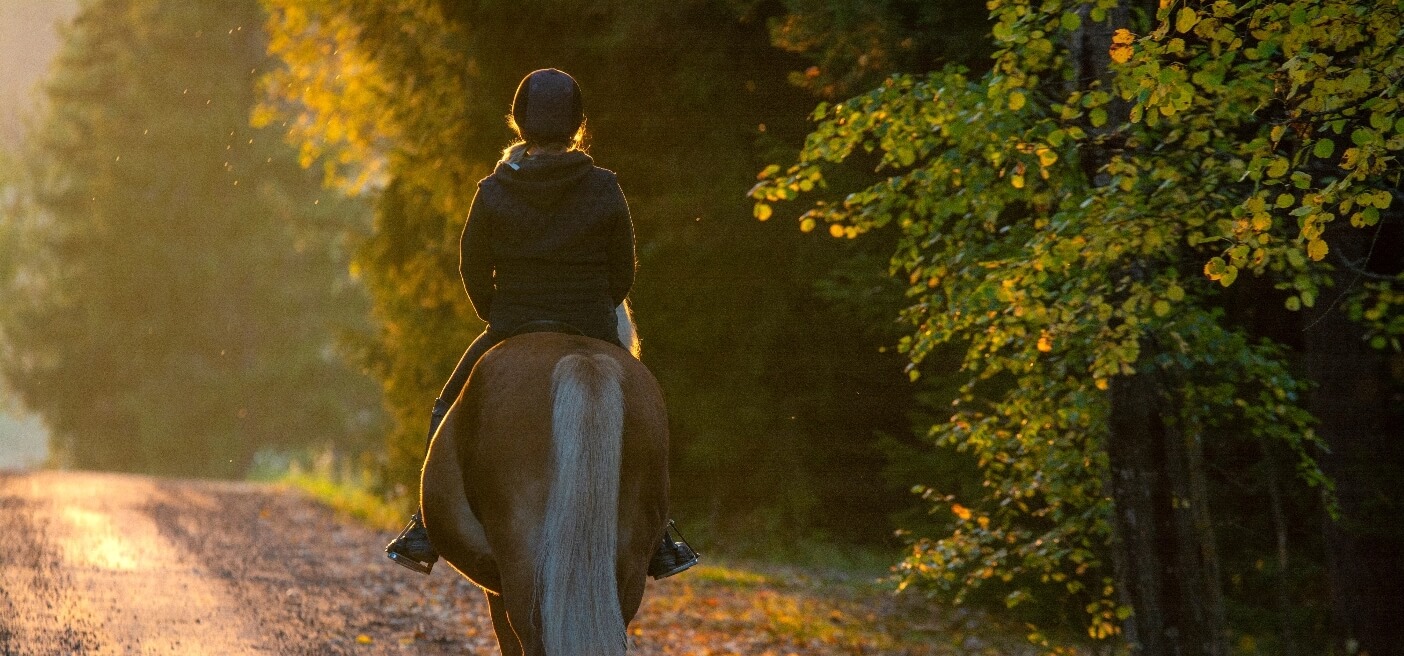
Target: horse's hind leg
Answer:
pixel 507 640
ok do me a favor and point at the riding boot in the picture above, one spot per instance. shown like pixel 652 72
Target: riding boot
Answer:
pixel 412 548
pixel 671 557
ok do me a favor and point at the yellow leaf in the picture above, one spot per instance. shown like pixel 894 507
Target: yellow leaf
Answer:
pixel 1120 53
pixel 1017 180
pixel 835 230
pixel 1016 101
pixel 983 521
pixel 1123 36
pixel 1101 383
pixel 1047 157
pixel 1045 342
pixel 364 639
pixel 960 511
pixel 1317 249
pixel 762 211
pixel 807 225
pixel 1161 308
pixel 1185 19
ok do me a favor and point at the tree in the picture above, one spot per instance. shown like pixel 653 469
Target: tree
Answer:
pixel 1053 222
pixel 752 357
pixel 184 280
pixel 854 45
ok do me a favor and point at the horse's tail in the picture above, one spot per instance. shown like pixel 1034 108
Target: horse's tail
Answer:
pixel 575 577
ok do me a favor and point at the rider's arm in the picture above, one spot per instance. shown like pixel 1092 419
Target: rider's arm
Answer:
pixel 621 250
pixel 475 259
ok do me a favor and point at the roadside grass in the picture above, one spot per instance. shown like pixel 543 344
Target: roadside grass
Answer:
pixel 350 490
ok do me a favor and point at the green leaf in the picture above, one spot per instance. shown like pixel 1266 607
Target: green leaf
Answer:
pixel 1293 303
pixel 1324 148
pixel 1071 21
pixel 1098 117
pixel 1230 275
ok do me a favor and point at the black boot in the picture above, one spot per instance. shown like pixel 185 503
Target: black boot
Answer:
pixel 412 548
pixel 671 557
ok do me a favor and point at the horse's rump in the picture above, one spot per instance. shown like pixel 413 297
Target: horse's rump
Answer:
pixel 519 465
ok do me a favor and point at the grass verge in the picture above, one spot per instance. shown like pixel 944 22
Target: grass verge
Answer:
pixel 352 491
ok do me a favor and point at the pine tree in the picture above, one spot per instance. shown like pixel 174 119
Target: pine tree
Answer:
pixel 178 308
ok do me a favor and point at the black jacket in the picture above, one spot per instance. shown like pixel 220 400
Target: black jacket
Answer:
pixel 549 238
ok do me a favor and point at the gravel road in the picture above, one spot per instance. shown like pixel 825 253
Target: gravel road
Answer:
pixel 113 564
pixel 128 565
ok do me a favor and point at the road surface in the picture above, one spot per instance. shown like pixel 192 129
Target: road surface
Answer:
pixel 113 564
pixel 129 565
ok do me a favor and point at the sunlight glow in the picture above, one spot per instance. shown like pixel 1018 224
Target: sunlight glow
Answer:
pixel 103 547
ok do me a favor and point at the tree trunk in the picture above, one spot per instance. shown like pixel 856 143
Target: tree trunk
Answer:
pixel 1364 546
pixel 1167 567
pixel 1166 564
pixel 1279 529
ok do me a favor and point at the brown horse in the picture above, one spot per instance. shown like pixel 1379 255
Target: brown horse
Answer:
pixel 547 486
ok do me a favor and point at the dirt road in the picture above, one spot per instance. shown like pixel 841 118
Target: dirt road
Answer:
pixel 111 564
pixel 128 565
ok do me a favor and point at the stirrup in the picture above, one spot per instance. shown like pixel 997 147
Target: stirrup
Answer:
pixel 672 556
pixel 423 558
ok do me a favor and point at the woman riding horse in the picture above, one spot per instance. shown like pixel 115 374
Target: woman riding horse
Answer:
pixel 548 239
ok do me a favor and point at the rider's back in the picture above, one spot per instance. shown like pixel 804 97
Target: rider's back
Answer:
pixel 549 237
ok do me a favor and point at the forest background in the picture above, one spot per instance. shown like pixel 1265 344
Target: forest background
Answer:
pixel 243 219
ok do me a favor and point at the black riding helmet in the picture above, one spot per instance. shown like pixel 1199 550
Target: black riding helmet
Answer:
pixel 547 107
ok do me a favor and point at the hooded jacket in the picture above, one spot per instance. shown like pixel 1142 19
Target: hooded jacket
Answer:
pixel 548 238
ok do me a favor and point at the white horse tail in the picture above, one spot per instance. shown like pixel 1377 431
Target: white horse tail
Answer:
pixel 576 577
pixel 628 330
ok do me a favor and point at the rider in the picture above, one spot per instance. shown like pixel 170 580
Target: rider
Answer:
pixel 548 237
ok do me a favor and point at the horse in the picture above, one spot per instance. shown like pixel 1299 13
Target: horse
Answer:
pixel 546 485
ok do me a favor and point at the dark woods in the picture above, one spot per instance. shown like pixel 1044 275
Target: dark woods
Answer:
pixel 185 321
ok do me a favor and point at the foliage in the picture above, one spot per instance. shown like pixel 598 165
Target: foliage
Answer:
pixel 352 489
pixel 1056 272
pixel 733 325
pixel 341 92
pixel 1300 99
pixel 854 45
pixel 175 305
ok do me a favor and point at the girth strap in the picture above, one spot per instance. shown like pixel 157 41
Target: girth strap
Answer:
pixel 547 326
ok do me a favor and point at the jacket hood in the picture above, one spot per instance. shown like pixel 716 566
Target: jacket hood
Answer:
pixel 541 181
